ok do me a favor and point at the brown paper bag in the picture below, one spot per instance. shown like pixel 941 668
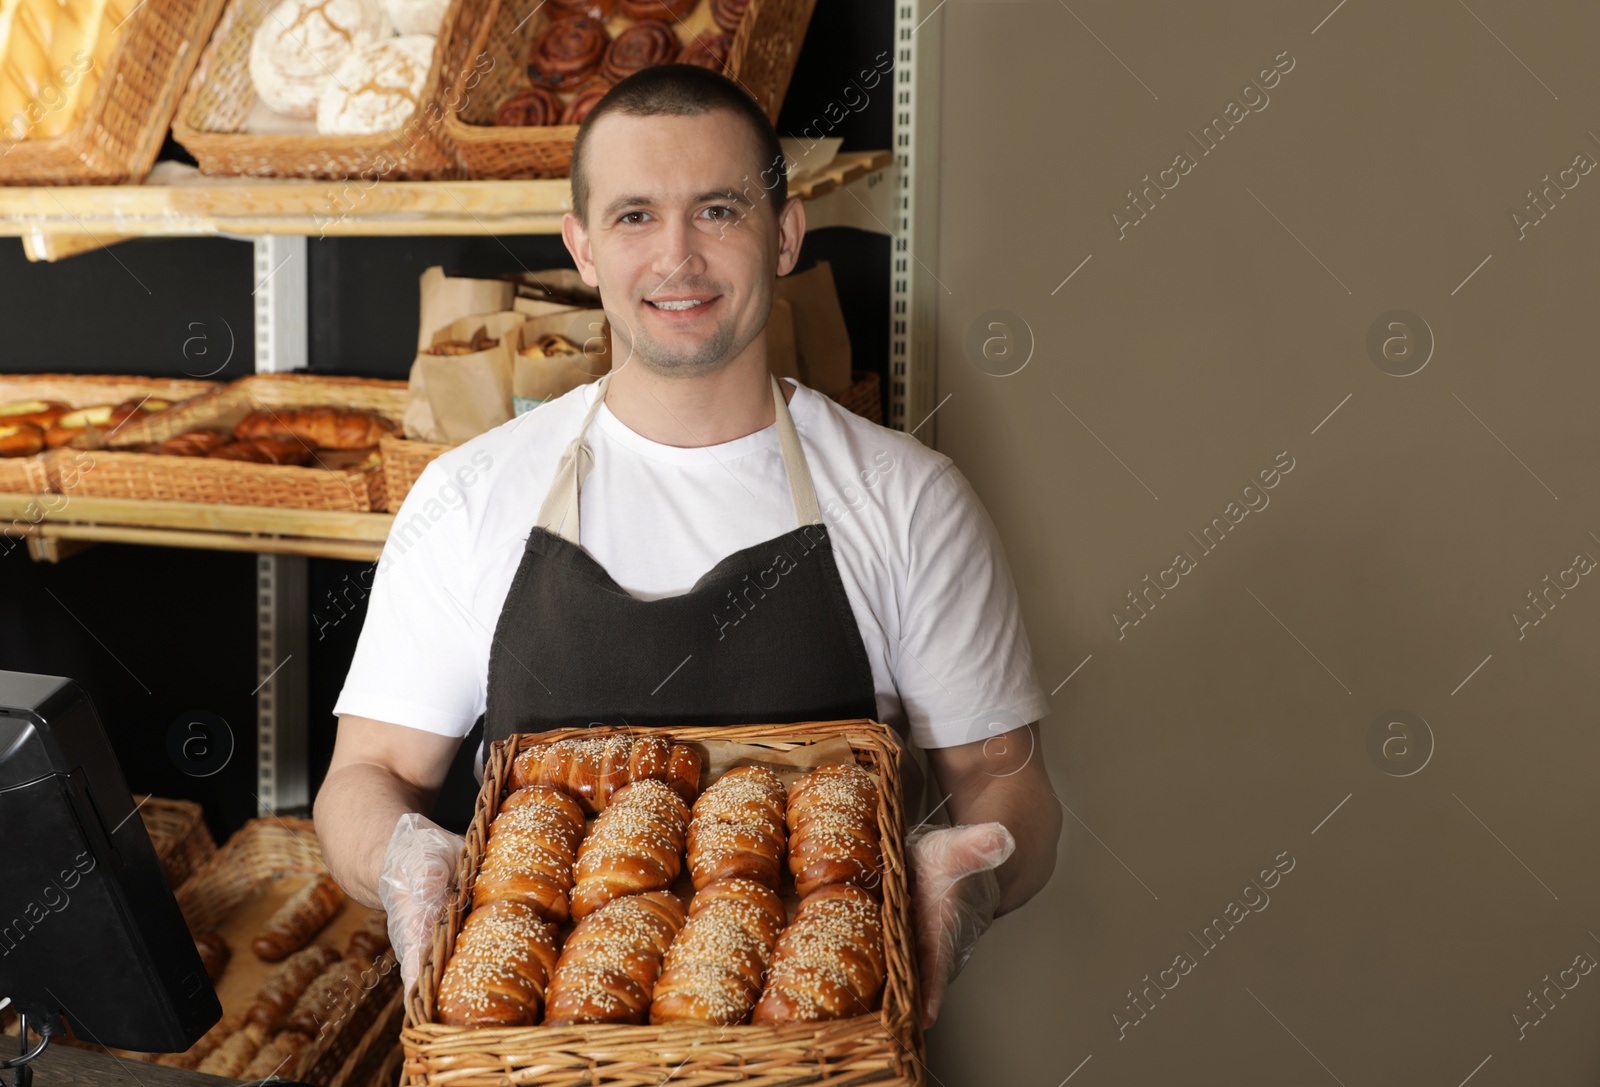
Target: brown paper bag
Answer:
pixel 782 358
pixel 452 398
pixel 447 298
pixel 535 380
pixel 821 338
pixel 558 286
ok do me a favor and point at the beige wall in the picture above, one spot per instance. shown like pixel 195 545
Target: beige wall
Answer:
pixel 1218 733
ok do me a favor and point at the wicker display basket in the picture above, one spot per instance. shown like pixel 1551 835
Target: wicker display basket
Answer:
pixel 220 96
pixel 376 1059
pixel 762 60
pixel 262 851
pixel 178 831
pixel 404 459
pixel 31 475
pixel 883 1046
pixel 118 472
pixel 152 52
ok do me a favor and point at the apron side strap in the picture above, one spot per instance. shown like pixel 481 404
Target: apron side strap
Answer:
pixel 801 489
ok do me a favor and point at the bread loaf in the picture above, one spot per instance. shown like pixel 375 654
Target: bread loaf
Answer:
pixel 327 1000
pixel 833 829
pixel 829 962
pixel 278 994
pixel 737 828
pixel 530 852
pixel 713 971
pixel 320 427
pixel 377 88
pixel 610 963
pixel 300 918
pixel 591 770
pixel 500 968
pixel 635 845
pixel 301 42
pixel 230 1059
pixel 278 1057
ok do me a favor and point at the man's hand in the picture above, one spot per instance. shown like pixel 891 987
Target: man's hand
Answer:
pixel 955 893
pixel 414 886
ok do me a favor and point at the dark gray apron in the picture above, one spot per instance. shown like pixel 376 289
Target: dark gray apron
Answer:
pixel 766 636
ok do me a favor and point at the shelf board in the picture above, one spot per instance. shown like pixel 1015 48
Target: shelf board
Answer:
pixel 80 520
pixel 56 221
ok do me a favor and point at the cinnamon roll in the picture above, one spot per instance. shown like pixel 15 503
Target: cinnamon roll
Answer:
pixel 529 108
pixel 727 13
pixel 586 99
pixel 567 52
pixel 708 51
pixel 642 45
pixel 594 9
pixel 664 10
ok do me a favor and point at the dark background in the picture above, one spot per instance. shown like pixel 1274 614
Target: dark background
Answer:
pixel 154 633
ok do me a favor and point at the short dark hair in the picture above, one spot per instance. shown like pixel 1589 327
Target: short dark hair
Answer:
pixel 683 90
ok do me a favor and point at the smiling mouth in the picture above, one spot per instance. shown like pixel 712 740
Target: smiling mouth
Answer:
pixel 680 305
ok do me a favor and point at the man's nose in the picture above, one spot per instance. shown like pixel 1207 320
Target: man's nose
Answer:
pixel 680 256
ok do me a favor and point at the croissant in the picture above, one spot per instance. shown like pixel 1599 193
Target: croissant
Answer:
pixel 610 963
pixel 208 1043
pixel 277 995
pixel 833 829
pixel 635 845
pixel 530 852
pixel 737 828
pixel 500 968
pixel 829 962
pixel 592 770
pixel 713 971
pixel 294 923
pixel 323 427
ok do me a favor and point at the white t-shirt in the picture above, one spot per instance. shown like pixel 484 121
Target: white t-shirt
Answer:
pixel 918 555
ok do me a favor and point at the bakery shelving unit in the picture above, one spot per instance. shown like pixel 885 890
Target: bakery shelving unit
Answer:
pixel 885 191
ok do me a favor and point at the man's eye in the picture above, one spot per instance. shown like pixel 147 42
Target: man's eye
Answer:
pixel 721 211
pixel 633 217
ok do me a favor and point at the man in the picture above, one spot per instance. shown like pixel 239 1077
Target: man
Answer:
pixel 706 585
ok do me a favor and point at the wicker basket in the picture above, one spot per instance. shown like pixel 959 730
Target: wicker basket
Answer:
pixel 119 473
pixel 220 96
pixel 125 121
pixel 178 831
pixel 262 851
pixel 376 1059
pixel 762 60
pixel 31 475
pixel 884 1046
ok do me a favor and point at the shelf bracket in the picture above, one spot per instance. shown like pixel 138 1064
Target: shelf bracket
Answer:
pixel 280 290
pixel 913 289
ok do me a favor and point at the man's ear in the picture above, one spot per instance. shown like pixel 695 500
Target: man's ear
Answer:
pixel 791 232
pixel 577 242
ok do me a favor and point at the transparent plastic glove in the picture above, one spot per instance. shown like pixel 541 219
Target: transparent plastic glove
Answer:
pixel 954 896
pixel 414 886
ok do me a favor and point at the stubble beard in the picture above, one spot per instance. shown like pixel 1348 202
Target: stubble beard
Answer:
pixel 691 360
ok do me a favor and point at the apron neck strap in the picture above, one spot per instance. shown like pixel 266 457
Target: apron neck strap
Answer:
pixel 559 513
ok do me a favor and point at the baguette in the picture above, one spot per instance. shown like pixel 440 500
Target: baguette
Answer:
pixel 636 845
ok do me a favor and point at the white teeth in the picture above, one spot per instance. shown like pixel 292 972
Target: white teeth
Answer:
pixel 686 304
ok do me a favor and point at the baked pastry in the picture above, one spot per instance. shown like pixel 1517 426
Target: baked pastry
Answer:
pixel 594 9
pixel 500 968
pixel 370 941
pixel 20 440
pixel 592 770
pixel 665 10
pixel 417 16
pixel 584 100
pixel 40 413
pixel 530 852
pixel 327 999
pixel 277 1057
pixel 833 829
pixel 567 52
pixel 301 41
pixel 549 346
pixel 231 1057
pixel 635 845
pixel 642 45
pixel 531 107
pixel 727 13
pixel 708 51
pixel 300 918
pixel 277 996
pixel 105 418
pixel 191 443
pixel 290 451
pixel 320 427
pixel 714 969
pixel 376 88
pixel 214 954
pixel 54 55
pixel 480 341
pixel 829 962
pixel 220 1031
pixel 737 828
pixel 610 963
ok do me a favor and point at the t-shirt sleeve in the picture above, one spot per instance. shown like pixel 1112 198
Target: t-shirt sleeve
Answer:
pixel 963 665
pixel 421 657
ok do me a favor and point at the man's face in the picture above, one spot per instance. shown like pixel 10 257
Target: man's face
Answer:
pixel 681 238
